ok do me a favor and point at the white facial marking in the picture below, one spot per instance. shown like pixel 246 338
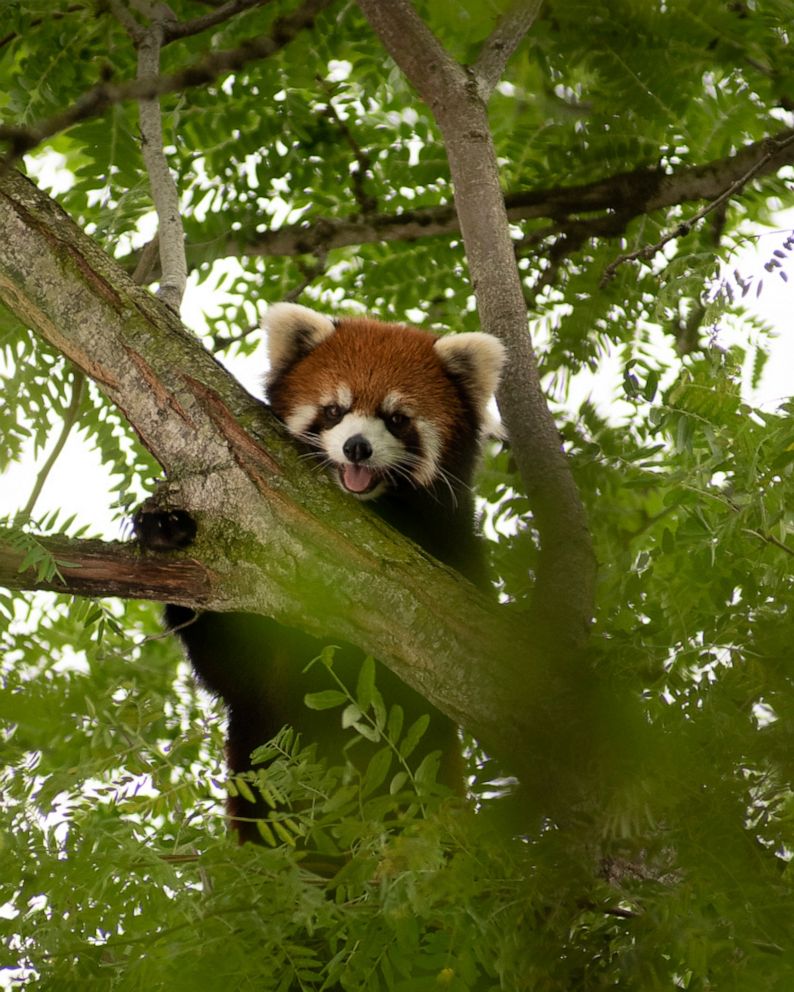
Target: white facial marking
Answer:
pixel 343 396
pixel 301 418
pixel 394 402
pixel 386 449
pixel 427 470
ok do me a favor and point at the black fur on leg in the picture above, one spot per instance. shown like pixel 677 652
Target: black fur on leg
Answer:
pixel 259 669
pixel 163 530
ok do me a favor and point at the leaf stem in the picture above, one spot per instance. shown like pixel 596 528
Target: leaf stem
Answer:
pixel 69 420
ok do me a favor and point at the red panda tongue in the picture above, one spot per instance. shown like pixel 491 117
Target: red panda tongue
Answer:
pixel 356 478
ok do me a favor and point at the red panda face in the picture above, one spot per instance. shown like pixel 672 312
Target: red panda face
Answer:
pixel 383 405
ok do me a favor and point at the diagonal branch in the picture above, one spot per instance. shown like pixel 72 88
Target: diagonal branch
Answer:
pixel 563 599
pixel 133 27
pixel 363 170
pixel 53 15
pixel 206 70
pixel 271 539
pixel 174 29
pixel 500 45
pixel 772 151
pixel 184 29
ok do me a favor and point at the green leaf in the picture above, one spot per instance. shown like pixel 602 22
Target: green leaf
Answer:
pixel 377 770
pixel 398 782
pixel 415 733
pixel 394 725
pixel 351 715
pixel 326 699
pixel 365 687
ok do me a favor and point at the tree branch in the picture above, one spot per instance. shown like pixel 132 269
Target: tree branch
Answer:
pixel 174 29
pixel 358 176
pixel 55 15
pixel 602 208
pixel 104 95
pixel 170 233
pixel 500 45
pixel 184 29
pixel 563 599
pixel 272 539
pixel 105 568
pixel 772 147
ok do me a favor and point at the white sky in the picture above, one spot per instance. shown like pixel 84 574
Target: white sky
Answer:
pixel 78 483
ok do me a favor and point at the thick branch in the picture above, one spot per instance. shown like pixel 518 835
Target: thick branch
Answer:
pixel 272 539
pixel 471 632
pixel 773 150
pixel 106 568
pixel 564 589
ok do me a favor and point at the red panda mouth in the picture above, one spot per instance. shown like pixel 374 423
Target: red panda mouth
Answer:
pixel 357 478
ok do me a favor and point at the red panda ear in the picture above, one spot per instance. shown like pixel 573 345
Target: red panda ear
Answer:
pixel 476 361
pixel 292 332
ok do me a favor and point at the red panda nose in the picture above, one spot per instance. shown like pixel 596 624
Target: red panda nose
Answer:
pixel 357 449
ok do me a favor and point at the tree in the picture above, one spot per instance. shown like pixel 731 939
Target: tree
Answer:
pixel 605 165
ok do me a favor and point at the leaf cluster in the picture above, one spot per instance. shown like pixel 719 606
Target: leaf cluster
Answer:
pixel 672 869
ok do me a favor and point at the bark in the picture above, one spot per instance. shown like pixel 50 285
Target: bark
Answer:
pixel 105 568
pixel 272 539
pixel 563 599
pixel 503 41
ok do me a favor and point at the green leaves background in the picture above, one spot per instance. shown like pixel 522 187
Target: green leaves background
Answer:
pixel 115 869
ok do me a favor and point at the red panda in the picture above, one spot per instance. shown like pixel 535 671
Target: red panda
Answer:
pixel 397 415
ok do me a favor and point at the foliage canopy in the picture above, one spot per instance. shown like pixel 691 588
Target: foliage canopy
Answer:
pixel 316 174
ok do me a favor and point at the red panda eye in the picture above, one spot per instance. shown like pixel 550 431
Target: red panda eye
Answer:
pixel 333 413
pixel 397 420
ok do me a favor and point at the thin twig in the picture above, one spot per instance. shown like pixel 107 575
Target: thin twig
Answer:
pixel 173 29
pixel 69 420
pixel 365 200
pixel 502 42
pixel 183 29
pixel 171 234
pixel 206 70
pixel 647 252
pixel 770 539
pixel 686 331
pixel 309 273
pixel 763 536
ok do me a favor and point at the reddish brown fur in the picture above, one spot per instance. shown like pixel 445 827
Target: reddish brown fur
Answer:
pixel 374 359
